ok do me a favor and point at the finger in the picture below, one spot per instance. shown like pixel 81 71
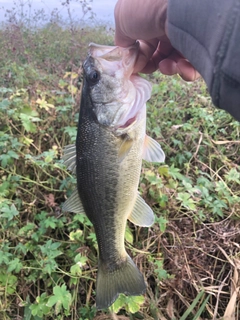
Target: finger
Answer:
pixel 182 67
pixel 168 67
pixel 121 39
pixel 187 71
pixel 146 51
pixel 137 19
pixel 163 50
pixel 177 64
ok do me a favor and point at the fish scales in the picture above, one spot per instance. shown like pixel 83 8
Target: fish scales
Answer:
pixel 102 176
pixel 111 143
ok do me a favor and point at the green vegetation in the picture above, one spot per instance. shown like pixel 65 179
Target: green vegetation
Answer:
pixel 48 260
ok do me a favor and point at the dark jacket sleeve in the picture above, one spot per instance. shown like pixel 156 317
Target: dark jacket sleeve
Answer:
pixel 207 33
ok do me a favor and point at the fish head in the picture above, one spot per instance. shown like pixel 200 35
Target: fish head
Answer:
pixel 117 96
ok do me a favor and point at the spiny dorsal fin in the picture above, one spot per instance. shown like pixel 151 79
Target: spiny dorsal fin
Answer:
pixel 142 215
pixel 69 157
pixel 152 151
pixel 73 204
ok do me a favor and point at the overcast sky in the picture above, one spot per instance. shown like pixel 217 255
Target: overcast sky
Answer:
pixel 102 8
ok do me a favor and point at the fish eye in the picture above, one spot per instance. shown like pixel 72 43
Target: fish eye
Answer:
pixel 94 77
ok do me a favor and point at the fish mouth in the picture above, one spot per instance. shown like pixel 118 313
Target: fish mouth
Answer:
pixel 129 123
pixel 122 94
pixel 137 108
pixel 126 56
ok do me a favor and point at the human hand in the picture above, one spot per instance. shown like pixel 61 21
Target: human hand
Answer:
pixel 145 21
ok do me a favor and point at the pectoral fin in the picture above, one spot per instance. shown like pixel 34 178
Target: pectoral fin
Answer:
pixel 125 147
pixel 69 157
pixel 152 151
pixel 73 204
pixel 142 215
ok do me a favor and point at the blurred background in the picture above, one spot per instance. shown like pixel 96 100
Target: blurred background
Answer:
pixel 97 11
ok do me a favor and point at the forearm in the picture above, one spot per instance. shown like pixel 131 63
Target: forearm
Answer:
pixel 207 33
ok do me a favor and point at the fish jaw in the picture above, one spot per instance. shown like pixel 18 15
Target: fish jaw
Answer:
pixel 115 60
pixel 119 97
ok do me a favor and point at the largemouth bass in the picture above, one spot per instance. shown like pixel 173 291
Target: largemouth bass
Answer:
pixel 111 143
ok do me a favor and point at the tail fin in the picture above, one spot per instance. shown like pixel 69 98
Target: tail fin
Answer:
pixel 125 279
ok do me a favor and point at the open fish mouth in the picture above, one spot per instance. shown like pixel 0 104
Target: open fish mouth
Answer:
pixel 129 122
pixel 137 109
pixel 117 94
pixel 127 56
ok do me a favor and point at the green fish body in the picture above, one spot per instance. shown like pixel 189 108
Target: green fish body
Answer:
pixel 111 143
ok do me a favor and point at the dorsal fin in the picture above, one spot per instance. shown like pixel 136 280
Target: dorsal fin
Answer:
pixel 73 203
pixel 69 157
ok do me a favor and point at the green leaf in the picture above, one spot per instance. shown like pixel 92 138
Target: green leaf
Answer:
pixel 14 265
pixel 28 111
pixel 4 104
pixel 72 132
pixel 76 235
pixel 160 271
pixel 162 222
pixel 134 303
pixel 163 171
pixel 9 212
pixel 128 235
pixel 43 104
pixel 61 297
pixel 5 257
pixel 5 159
pixel 175 173
pixel 186 200
pixel 131 303
pixel 27 230
pixel 119 303
pixel 27 123
pixel 233 176
pixel 13 154
pixel 40 308
pixel 81 260
pixel 8 281
pixel 76 270
pixel 50 222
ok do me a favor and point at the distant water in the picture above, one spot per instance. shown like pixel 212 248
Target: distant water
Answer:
pixel 93 11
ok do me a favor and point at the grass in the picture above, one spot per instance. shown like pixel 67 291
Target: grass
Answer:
pixel 189 257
